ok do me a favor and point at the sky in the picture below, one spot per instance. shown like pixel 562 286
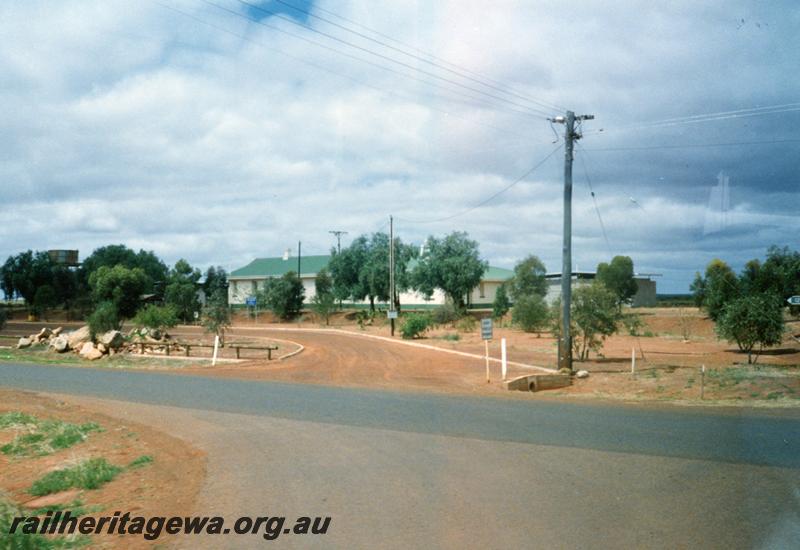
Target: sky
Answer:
pixel 220 131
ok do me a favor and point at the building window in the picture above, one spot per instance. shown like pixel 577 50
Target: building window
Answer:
pixel 482 290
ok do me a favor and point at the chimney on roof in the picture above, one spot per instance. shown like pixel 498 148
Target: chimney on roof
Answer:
pixel 287 254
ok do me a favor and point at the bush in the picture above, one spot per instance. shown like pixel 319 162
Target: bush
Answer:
pixel 284 296
pixel 752 320
pixel 414 326
pixel 104 318
pixel 633 324
pixel 451 337
pixel 156 317
pixel 89 474
pixel 468 323
pixel 445 314
pixel 501 304
pixel 530 313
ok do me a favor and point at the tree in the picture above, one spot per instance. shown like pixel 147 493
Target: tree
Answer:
pixel 594 316
pixel 451 264
pixel 345 267
pixel 156 317
pixel 216 315
pixel 528 278
pixel 216 279
pixel 698 288
pixel 721 286
pixel 754 319
pixel 181 290
pixel 154 269
pixel 104 318
pixel 119 285
pixel 324 302
pixel 618 278
pixel 501 303
pixel 530 313
pixel 284 296
pixel 25 273
pixel 44 300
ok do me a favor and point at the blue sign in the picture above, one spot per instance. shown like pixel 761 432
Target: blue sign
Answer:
pixel 250 301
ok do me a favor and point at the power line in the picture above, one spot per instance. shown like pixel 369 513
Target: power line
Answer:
pixel 594 199
pixel 461 71
pixel 533 110
pixel 489 198
pixel 331 71
pixel 694 145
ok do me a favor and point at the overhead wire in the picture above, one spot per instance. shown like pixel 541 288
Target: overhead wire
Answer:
pixel 432 60
pixel 533 111
pixel 594 198
pixel 331 71
pixel 693 145
pixel 490 197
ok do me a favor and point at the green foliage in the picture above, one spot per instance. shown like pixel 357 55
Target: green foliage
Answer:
pixel 103 319
pixel 45 437
pixel 119 285
pixel 113 255
pixel 181 290
pixel 530 313
pixel 88 474
pixel 17 419
pixel 324 301
pixel 21 541
pixel 284 296
pixel 445 314
pixel 140 461
pixel 156 317
pixel 25 273
pixel 596 315
pixel 720 287
pixel 216 315
pixel 698 288
pixel 451 264
pixel 216 281
pixel 633 324
pixel 451 337
pixel 414 325
pixel 501 303
pixel 618 278
pixel 467 323
pixel 528 278
pixel 752 320
pixel 44 300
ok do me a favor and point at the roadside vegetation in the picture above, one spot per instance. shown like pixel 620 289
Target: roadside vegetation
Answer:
pixel 37 437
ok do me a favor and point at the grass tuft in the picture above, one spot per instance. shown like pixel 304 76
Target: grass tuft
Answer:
pixel 43 437
pixel 89 474
pixel 140 461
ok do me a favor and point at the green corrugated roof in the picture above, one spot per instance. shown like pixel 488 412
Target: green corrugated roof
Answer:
pixel 275 267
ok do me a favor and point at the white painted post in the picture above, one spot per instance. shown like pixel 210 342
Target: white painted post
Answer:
pixel 702 381
pixel 486 344
pixel 503 357
pixel 633 362
pixel 216 349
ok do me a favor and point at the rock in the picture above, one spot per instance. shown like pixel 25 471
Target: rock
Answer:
pixel 112 339
pixel 44 334
pixel 24 343
pixel 57 331
pixel 60 344
pixel 77 338
pixel 155 334
pixel 102 347
pixel 88 351
pixel 582 374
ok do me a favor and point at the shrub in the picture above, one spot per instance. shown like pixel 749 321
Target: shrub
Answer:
pixel 104 318
pixel 140 461
pixel 414 326
pixel 752 320
pixel 156 317
pixel 530 313
pixel 501 303
pixel 89 474
pixel 451 337
pixel 445 314
pixel 633 324
pixel 468 323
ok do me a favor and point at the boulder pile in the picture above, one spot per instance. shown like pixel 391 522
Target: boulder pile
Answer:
pixel 79 341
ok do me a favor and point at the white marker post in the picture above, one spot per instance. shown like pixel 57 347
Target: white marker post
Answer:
pixel 216 349
pixel 503 361
pixel 633 362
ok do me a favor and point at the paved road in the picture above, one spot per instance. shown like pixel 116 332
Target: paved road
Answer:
pixel 399 470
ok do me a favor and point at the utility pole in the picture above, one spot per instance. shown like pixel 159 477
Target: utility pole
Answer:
pixel 391 274
pixel 338 239
pixel 570 136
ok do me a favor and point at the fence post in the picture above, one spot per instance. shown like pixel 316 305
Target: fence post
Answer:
pixel 216 349
pixel 503 358
pixel 702 382
pixel 187 349
pixel 269 354
pixel 237 351
pixel 633 363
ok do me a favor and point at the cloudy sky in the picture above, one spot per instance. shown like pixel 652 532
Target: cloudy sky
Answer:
pixel 219 131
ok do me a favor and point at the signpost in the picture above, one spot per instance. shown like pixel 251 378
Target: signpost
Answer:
pixel 486 335
pixel 252 302
pixel 794 300
pixel 392 314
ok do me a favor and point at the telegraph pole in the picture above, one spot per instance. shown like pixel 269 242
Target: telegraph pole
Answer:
pixel 391 273
pixel 338 239
pixel 570 136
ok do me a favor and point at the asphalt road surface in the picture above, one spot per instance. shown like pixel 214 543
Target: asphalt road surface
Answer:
pixel 400 470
